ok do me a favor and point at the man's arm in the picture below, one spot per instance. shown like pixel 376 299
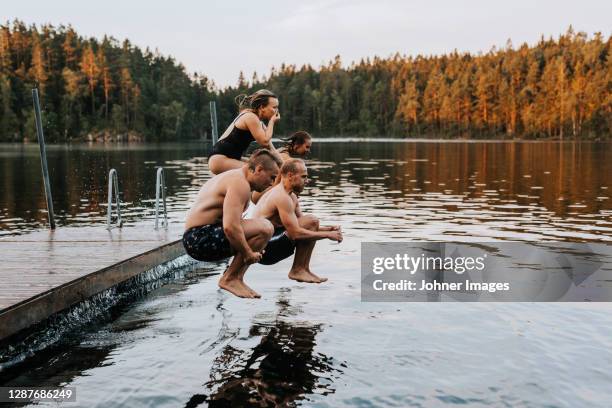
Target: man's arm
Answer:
pixel 287 213
pixel 236 197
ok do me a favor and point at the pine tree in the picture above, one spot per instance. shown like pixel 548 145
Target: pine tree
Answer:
pixel 91 70
pixel 408 106
pixel 38 70
pixel 107 82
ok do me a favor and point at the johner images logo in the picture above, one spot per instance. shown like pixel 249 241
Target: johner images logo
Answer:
pixel 499 271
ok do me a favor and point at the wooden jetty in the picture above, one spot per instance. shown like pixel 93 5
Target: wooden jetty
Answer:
pixel 44 272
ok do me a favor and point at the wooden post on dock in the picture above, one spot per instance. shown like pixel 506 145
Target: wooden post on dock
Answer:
pixel 213 121
pixel 43 157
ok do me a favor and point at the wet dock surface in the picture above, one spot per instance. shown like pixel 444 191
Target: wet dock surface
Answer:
pixel 44 272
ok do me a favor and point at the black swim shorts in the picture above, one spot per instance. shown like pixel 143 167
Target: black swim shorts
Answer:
pixel 207 243
pixel 279 247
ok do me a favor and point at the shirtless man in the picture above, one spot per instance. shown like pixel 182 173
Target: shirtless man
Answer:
pixel 293 230
pixel 215 230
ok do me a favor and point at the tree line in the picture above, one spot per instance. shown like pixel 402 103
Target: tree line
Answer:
pixel 91 86
pixel 557 88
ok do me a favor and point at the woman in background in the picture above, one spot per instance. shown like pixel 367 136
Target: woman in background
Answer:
pixel 248 126
pixel 297 145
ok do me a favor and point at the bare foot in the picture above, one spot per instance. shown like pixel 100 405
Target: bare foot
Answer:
pixel 238 288
pixel 255 294
pixel 303 275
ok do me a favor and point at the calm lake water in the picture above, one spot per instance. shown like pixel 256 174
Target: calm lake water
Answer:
pixel 188 344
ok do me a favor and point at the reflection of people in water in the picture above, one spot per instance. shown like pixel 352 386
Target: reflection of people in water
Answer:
pixel 261 106
pixel 293 230
pixel 281 369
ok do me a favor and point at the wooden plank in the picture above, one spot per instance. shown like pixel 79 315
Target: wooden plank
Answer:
pixel 44 272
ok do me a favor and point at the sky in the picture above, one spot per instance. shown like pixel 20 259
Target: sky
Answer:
pixel 222 38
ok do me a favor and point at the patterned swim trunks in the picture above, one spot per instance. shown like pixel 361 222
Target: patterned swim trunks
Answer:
pixel 207 243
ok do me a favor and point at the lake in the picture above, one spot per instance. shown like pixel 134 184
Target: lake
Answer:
pixel 186 343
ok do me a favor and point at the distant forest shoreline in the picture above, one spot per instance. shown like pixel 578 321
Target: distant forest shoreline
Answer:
pixel 95 89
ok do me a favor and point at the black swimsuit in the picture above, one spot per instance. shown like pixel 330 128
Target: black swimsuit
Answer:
pixel 278 248
pixel 235 144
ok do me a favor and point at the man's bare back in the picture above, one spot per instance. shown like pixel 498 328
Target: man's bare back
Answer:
pixel 267 206
pixel 208 206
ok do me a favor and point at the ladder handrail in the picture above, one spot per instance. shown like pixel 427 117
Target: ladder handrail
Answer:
pixel 113 181
pixel 160 189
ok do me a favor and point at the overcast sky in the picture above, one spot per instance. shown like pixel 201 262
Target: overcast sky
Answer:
pixel 221 38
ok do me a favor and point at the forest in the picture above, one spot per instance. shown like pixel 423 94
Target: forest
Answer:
pixel 96 89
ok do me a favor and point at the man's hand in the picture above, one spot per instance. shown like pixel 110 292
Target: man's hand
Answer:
pixel 335 235
pixel 252 257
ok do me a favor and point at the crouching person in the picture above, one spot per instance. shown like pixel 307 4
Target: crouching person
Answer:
pixel 215 230
pixel 293 230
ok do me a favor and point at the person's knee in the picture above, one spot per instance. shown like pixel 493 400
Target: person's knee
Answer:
pixel 311 222
pixel 214 165
pixel 266 228
pixel 316 223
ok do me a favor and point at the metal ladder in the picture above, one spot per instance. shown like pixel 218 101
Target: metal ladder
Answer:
pixel 160 195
